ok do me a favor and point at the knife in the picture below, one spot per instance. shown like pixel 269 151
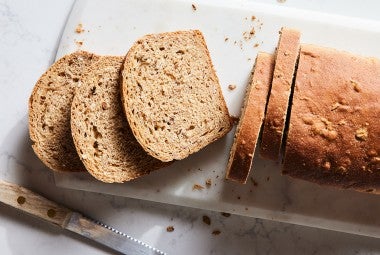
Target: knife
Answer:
pixel 36 205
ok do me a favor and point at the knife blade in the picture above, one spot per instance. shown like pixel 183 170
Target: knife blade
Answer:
pixel 39 206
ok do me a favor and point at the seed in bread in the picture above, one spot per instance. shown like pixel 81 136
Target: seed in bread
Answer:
pixel 49 112
pixel 100 130
pixel 334 133
pixel 171 95
pixel 274 125
pixel 252 115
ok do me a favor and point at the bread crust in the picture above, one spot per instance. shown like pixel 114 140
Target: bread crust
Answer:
pixel 274 125
pixel 334 131
pixel 251 119
pixel 49 112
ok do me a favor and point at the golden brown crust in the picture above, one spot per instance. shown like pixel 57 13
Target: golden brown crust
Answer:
pixel 274 125
pixel 334 125
pixel 248 129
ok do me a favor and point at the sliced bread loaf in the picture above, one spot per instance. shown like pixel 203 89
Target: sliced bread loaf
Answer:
pixel 171 95
pixel 334 132
pixel 251 119
pixel 100 130
pixel 274 125
pixel 49 112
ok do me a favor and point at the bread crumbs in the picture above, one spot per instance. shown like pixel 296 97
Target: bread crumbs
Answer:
pixel 208 183
pixel 254 182
pixel 226 39
pixel 235 120
pixel 256 45
pixel 170 229
pixel 79 43
pixel 194 7
pixel 253 18
pixel 226 214
pixel 216 232
pixel 231 87
pixel 79 29
pixel 198 187
pixel 206 220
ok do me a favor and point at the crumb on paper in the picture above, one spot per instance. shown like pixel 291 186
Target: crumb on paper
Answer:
pixel 226 39
pixel 253 17
pixel 79 43
pixel 254 182
pixel 256 45
pixel 198 187
pixel 170 229
pixel 231 86
pixel 281 1
pixel 235 119
pixel 216 232
pixel 208 183
pixel 206 220
pixel 226 214
pixel 194 7
pixel 249 59
pixel 79 29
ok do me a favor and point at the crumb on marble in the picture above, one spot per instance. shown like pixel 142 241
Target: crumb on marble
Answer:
pixel 208 183
pixel 79 29
pixel 198 187
pixel 216 232
pixel 226 214
pixel 170 229
pixel 206 220
pixel 235 119
pixel 231 86
pixel 79 43
pixel 254 182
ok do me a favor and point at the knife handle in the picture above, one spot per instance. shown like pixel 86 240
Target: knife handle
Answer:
pixel 34 204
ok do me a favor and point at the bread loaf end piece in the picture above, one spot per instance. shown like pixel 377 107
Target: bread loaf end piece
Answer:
pixel 251 119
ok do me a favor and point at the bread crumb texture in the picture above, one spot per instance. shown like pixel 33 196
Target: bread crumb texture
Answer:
pixel 49 112
pixel 101 133
pixel 171 95
pixel 334 132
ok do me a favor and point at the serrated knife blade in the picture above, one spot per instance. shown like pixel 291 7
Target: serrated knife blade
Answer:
pixel 37 205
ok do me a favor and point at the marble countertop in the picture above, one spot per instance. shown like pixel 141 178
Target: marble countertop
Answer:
pixel 29 35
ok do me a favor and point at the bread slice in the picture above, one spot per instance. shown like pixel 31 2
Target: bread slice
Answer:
pixel 171 95
pixel 49 112
pixel 100 130
pixel 334 133
pixel 286 59
pixel 251 119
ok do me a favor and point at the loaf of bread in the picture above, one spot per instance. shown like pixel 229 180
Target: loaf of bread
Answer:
pixel 334 132
pixel 171 95
pixel 101 133
pixel 49 112
pixel 274 125
pixel 251 119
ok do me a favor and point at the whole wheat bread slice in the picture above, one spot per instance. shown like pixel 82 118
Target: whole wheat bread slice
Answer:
pixel 334 132
pixel 275 118
pixel 49 112
pixel 251 119
pixel 171 95
pixel 100 130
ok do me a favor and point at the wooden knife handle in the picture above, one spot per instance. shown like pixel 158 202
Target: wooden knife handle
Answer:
pixel 34 204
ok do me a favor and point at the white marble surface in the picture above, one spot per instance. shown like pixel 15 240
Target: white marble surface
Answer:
pixel 29 33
